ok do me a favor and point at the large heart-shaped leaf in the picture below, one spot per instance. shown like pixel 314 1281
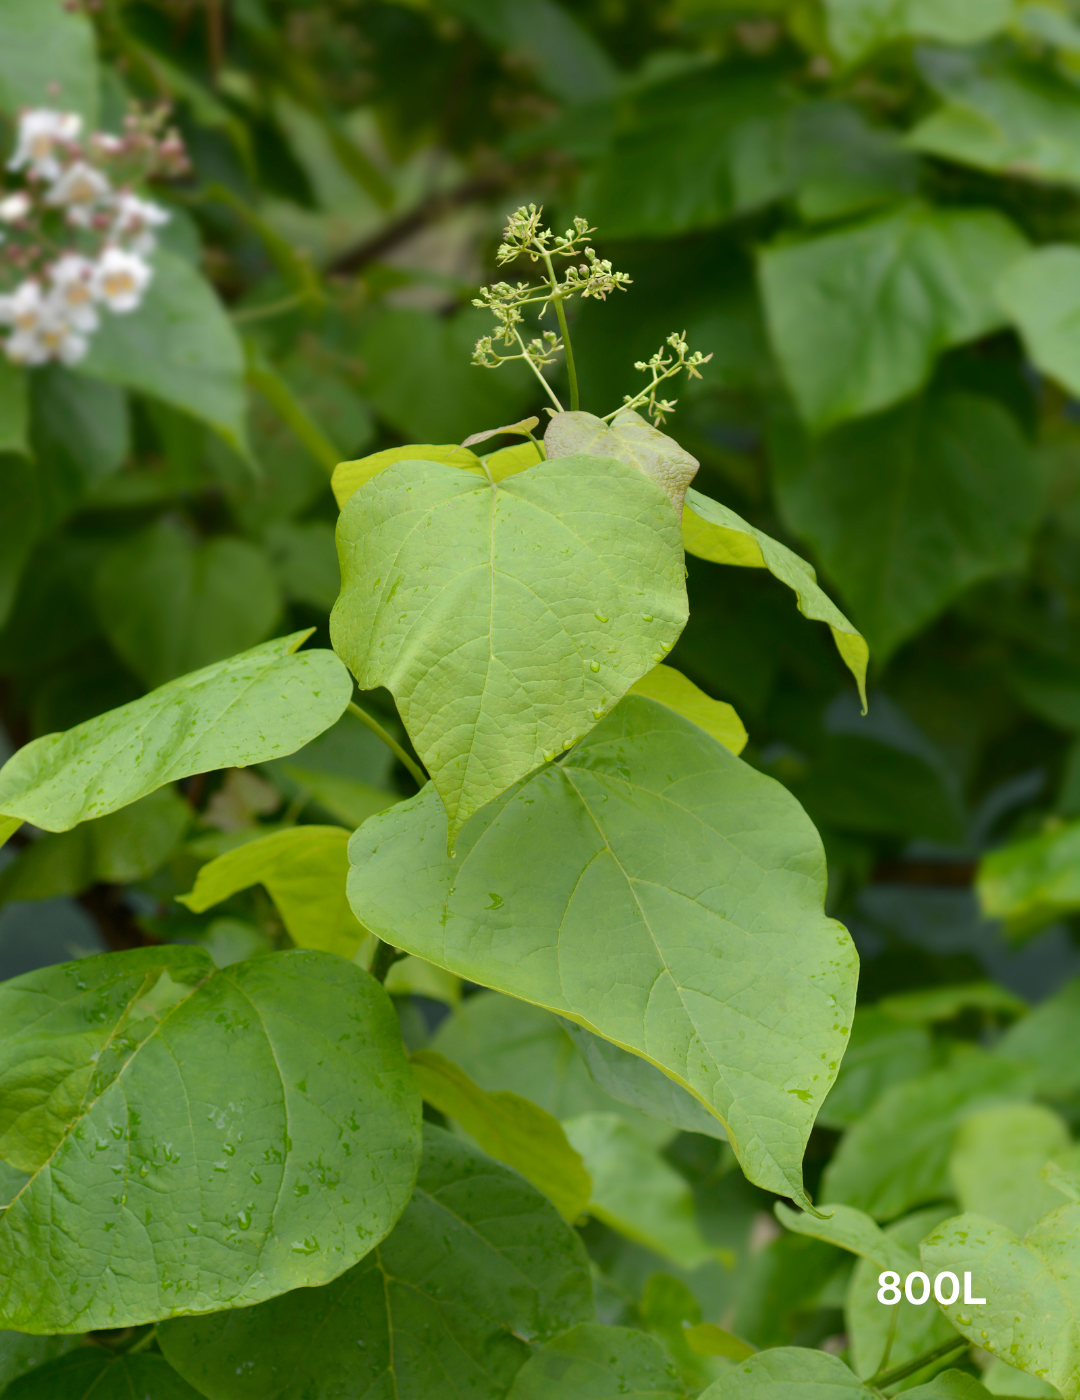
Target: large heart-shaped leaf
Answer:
pixel 1041 293
pixel 661 865
pixel 505 619
pixel 631 439
pixel 479 1266
pixel 261 705
pixel 175 1138
pixel 592 1362
pixel 1031 1287
pixel 789 1373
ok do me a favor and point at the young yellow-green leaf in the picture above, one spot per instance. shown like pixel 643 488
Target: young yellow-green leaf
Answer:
pixel 260 705
pixel 671 688
pixel 712 531
pixel 511 460
pixel 479 1266
pixel 896 1157
pixel 350 476
pixel 94 1373
pixel 788 1373
pixel 593 1362
pixel 520 429
pixel 635 1191
pixel 304 869
pixel 507 619
pixel 856 27
pixel 707 1339
pixel 660 864
pixel 510 1129
pixel 930 1004
pixel 1001 113
pixel 997 1160
pixel 853 1230
pixel 179 346
pixel 45 50
pixel 1033 881
pixel 629 438
pixel 8 827
pixel 124 846
pixel 415 977
pixel 1041 294
pixel 1031 1317
pixel 858 316
pixel 176 1138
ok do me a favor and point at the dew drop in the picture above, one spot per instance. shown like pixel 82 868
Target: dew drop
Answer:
pixel 600 617
pixel 594 665
pixel 568 743
pixel 549 755
pixel 646 617
pixel 243 1219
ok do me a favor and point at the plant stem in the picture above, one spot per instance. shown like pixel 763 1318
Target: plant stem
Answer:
pixel 899 1373
pixel 390 742
pixel 535 369
pixel 560 312
pixel 383 959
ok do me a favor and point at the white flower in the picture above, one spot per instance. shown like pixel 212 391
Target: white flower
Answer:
pixel 135 218
pixel 24 307
pixel 15 207
pixel 72 296
pixel 120 279
pixel 26 348
pixel 40 131
pixel 79 189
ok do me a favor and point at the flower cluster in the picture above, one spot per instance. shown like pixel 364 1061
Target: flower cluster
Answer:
pixel 661 367
pixel 74 236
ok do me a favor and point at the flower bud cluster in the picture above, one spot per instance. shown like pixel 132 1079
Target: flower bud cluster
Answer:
pixel 74 236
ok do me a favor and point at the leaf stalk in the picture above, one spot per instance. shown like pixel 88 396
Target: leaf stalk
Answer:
pixel 390 742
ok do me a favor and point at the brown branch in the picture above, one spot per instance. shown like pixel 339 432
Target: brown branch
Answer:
pixel 116 922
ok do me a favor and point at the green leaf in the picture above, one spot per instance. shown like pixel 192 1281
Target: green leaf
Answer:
pixel 657 876
pixel 1031 1287
pixel 20 522
pixel 179 347
pixel 510 1129
pixel 856 27
pixel 668 1309
pixel 304 560
pixel 930 1004
pixel 478 1263
pixel 592 1362
pixel 1004 114
pixel 1002 1379
pixel 8 827
pixel 706 1339
pixel 669 687
pixel 548 38
pixel 261 705
pixel 125 846
pixel 14 405
pixel 858 317
pixel 81 435
pixel 1047 1042
pixel 1032 882
pixel 631 439
pixel 642 1085
pixel 635 1191
pixel 852 1230
pixel 892 1336
pixel 897 1156
pixel 348 799
pixel 48 59
pixel 1041 294
pixel 350 476
pixel 949 1385
pixel 104 1375
pixel 226 1134
pixel 953 498
pixel 304 869
pixel 789 1373
pixel 170 605
pixel 997 1159
pixel 712 531
pixel 880 1053
pixel 505 620
pixel 20 1352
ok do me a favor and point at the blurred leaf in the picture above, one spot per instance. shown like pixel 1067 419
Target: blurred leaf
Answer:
pixel 629 438
pixel 548 38
pixel 348 799
pixel 852 1230
pixel 664 819
pixel 1047 1041
pixel 591 1362
pixel 304 559
pixel 779 1286
pixel 669 687
pixel 1001 113
pixel 249 709
pixel 479 1261
pixel 858 26
pixel 14 408
pixel 953 498
pixel 153 1033
pixel 1050 686
pixel 1041 294
pixel 843 164
pixel 81 435
pixel 637 1082
pixel 47 59
pixel 1030 1286
pixel 350 476
pixel 170 605
pixel 180 347
pixel 1032 882
pixel 706 1339
pixel 1000 1378
pixel 789 1373
pixel 997 1158
pixel 20 521
pixel 125 846
pixel 857 317
pixel 712 531
pixel 510 1129
pixel 880 1053
pixel 897 1156
pixel 105 1375
pixel 635 1191
pixel 930 1004
pixel 261 375
pixel 495 664
pixel 304 870
pixel 21 1352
